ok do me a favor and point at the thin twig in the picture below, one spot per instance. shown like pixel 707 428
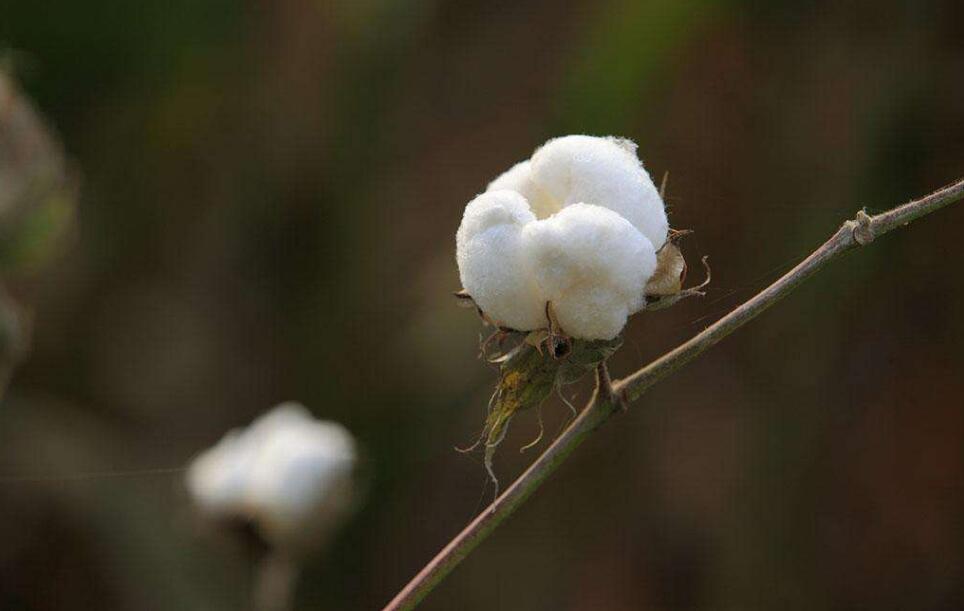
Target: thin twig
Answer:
pixel 858 232
pixel 274 588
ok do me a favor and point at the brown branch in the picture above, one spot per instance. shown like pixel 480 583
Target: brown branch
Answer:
pixel 275 582
pixel 858 232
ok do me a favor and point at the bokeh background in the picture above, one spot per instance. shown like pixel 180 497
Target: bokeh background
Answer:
pixel 270 195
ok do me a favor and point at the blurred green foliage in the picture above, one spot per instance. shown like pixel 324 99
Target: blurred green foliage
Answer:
pixel 34 236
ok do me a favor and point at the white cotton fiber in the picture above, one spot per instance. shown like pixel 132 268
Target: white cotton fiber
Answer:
pixel 491 262
pixel 604 172
pixel 577 225
pixel 519 179
pixel 287 473
pixel 592 265
pixel 217 479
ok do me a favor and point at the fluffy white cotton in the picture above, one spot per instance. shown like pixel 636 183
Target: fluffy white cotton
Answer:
pixel 577 225
pixel 592 170
pixel 592 265
pixel 287 473
pixel 491 260
pixel 604 172
pixel 519 179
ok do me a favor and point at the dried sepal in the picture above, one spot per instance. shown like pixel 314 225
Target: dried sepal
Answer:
pixel 665 287
pixel 662 302
pixel 498 338
pixel 558 343
pixel 537 338
pixel 670 272
pixel 464 300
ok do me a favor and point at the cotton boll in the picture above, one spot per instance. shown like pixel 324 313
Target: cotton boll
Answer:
pixel 288 474
pixel 604 172
pixel 217 478
pixel 519 179
pixel 592 265
pixel 492 209
pixel 491 260
pixel 302 475
pixel 592 313
pixel 520 245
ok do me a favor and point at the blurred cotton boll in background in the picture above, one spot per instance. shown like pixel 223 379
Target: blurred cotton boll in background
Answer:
pixel 287 475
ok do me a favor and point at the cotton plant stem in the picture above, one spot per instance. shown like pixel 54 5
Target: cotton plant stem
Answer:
pixel 275 581
pixel 857 232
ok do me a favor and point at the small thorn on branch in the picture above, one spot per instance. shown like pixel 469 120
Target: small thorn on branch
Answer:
pixel 605 385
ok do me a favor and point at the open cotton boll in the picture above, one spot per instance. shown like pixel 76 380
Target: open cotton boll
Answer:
pixel 302 475
pixel 492 263
pixel 592 265
pixel 287 473
pixel 511 264
pixel 604 172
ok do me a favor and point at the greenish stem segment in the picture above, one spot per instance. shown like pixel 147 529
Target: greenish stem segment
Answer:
pixel 857 232
pixel 275 582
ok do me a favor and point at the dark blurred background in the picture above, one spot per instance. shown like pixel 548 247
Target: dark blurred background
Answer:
pixel 270 196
